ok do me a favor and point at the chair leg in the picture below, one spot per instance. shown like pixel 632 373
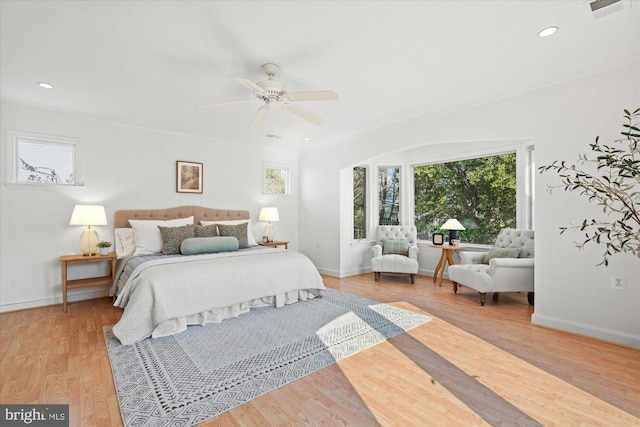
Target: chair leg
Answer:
pixel 530 298
pixel 455 287
pixel 413 279
pixel 495 296
pixel 483 297
pixel 376 276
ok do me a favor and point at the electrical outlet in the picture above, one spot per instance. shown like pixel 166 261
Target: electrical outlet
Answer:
pixel 618 282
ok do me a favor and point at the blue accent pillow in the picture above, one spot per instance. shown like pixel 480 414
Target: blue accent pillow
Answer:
pixel 208 245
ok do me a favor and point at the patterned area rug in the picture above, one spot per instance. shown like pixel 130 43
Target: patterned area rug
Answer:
pixel 187 378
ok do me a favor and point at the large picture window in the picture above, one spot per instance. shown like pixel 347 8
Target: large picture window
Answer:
pixel 389 195
pixel 479 192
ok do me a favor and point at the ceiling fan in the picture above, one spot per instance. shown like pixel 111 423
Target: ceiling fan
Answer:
pixel 272 92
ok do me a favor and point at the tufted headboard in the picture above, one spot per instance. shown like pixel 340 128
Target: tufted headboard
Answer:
pixel 517 238
pixel 121 218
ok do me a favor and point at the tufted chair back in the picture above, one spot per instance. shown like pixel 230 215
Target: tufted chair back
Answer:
pixel 516 238
pixel 397 232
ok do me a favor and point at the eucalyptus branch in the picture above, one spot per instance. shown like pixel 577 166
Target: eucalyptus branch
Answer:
pixel 617 190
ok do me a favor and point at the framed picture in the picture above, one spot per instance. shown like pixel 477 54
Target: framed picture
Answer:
pixel 188 177
pixel 437 238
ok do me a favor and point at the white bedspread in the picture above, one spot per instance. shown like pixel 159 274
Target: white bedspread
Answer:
pixel 159 293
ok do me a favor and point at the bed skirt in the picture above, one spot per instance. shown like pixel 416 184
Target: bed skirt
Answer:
pixel 217 315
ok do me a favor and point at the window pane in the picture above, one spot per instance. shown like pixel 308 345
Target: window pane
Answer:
pixel 46 162
pixel 359 203
pixel 480 193
pixel 389 196
pixel 276 180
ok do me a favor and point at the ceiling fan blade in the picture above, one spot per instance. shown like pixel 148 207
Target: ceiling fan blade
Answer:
pixel 259 117
pixel 249 84
pixel 221 104
pixel 305 114
pixel 314 95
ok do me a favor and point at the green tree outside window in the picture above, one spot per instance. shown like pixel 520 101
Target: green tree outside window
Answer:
pixel 480 193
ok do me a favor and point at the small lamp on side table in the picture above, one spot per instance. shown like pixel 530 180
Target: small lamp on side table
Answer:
pixel 453 225
pixel 269 214
pixel 88 215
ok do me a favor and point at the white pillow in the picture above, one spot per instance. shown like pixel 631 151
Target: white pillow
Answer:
pixel 125 243
pixel 250 238
pixel 147 234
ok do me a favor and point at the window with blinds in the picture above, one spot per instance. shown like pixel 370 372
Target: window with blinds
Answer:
pixel 45 162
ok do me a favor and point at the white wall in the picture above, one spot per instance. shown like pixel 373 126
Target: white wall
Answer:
pixel 124 168
pixel 561 120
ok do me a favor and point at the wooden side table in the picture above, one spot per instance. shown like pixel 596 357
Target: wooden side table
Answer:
pixel 445 257
pixel 275 244
pixel 90 281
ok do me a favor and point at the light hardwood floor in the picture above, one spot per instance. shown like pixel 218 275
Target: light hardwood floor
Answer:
pixel 470 365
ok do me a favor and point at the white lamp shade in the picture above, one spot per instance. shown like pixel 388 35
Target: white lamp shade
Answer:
pixel 88 215
pixel 269 214
pixel 452 224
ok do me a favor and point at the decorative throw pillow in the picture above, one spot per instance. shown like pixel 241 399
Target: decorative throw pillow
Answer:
pixel 250 238
pixel 496 252
pixel 238 231
pixel 172 238
pixel 206 231
pixel 147 236
pixel 397 247
pixel 207 245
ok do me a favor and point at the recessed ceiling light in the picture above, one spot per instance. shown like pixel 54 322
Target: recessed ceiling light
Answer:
pixel 45 85
pixel 306 139
pixel 547 31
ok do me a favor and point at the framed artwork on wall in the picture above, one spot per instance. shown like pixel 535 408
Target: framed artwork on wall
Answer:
pixel 188 177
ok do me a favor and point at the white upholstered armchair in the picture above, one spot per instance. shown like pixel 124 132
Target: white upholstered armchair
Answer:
pixel 396 251
pixel 507 267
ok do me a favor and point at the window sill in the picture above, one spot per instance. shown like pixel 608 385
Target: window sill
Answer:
pixel 363 242
pixel 48 187
pixel 467 246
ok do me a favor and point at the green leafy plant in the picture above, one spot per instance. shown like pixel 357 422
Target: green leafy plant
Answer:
pixel 103 244
pixel 615 186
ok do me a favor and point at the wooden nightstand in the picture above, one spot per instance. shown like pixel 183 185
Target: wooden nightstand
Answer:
pixel 275 244
pixel 90 281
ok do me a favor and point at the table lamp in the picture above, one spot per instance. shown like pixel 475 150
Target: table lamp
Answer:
pixel 453 226
pixel 269 214
pixel 88 215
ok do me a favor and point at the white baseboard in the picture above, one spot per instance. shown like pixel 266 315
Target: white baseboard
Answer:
pixel 78 296
pixel 587 330
pixel 356 272
pixel 327 272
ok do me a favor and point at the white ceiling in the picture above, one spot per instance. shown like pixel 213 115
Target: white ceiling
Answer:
pixel 149 63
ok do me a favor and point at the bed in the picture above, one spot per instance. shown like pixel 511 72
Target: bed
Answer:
pixel 162 293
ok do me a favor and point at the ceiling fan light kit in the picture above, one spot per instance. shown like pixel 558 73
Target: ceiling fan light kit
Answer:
pixel 271 92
